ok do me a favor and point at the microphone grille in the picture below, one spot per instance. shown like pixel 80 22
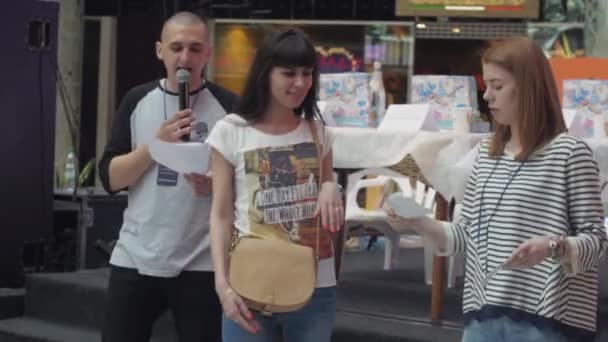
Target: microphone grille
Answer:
pixel 182 75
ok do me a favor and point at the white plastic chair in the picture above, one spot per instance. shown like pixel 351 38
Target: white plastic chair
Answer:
pixel 376 218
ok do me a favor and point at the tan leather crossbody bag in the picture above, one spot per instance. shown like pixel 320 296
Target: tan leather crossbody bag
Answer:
pixel 273 275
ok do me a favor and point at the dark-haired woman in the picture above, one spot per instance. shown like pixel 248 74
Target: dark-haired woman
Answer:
pixel 265 175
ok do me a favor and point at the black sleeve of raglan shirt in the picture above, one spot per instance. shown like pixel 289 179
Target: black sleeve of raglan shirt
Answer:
pixel 120 138
pixel 226 98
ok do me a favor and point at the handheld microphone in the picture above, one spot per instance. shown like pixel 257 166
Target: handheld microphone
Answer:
pixel 183 90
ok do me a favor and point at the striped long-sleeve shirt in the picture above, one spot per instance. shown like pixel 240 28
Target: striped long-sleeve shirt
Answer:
pixel 554 192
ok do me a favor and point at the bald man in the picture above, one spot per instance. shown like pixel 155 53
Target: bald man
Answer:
pixel 161 260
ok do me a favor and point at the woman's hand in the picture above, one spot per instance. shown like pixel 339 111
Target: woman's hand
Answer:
pixel 401 224
pixel 179 124
pixel 427 227
pixel 529 253
pixel 330 207
pixel 235 309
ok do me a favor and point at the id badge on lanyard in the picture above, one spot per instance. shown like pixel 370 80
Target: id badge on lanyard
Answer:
pixel 166 176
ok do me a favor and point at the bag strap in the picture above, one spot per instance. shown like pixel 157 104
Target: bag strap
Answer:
pixel 315 139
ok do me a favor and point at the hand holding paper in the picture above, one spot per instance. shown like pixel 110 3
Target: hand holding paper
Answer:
pixel 190 157
pixel 200 184
pixel 405 206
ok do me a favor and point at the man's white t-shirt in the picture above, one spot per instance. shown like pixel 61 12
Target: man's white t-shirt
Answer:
pixel 166 226
pixel 276 184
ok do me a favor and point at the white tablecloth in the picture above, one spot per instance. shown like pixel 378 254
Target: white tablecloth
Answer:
pixel 445 159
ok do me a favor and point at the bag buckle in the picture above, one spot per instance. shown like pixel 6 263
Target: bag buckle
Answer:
pixel 265 313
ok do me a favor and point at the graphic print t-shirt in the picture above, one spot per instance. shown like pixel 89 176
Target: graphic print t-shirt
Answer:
pixel 276 184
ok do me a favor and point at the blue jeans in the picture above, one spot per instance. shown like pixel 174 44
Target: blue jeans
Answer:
pixel 504 329
pixel 312 323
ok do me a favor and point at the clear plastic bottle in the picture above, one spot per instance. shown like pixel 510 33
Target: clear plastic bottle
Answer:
pixel 377 96
pixel 69 173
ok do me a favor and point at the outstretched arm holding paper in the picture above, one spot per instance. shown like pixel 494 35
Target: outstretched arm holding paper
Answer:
pixel 429 228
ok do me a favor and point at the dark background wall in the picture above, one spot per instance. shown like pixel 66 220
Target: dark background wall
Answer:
pixel 136 60
pixel 139 24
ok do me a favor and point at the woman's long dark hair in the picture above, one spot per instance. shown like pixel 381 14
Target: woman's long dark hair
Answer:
pixel 287 48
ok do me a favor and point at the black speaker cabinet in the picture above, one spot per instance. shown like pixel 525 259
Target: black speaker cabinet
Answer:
pixel 27 132
pixel 85 224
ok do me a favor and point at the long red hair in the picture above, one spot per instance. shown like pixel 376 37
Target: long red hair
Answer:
pixel 539 110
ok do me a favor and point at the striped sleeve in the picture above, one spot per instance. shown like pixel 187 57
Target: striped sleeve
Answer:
pixel 588 234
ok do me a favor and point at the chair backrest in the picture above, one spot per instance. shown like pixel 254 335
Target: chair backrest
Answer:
pixel 425 195
pixel 421 193
pixel 356 181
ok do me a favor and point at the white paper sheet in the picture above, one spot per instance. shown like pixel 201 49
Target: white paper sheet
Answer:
pixel 327 117
pixel 405 206
pixel 404 117
pixel 569 115
pixel 186 157
pixel 321 105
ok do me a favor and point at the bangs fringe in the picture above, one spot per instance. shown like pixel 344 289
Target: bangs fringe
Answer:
pixel 293 51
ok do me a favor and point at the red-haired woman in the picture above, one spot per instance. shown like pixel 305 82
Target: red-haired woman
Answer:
pixel 532 225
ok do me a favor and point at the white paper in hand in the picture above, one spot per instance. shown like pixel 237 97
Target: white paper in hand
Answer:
pixel 187 157
pixel 408 117
pixel 405 206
